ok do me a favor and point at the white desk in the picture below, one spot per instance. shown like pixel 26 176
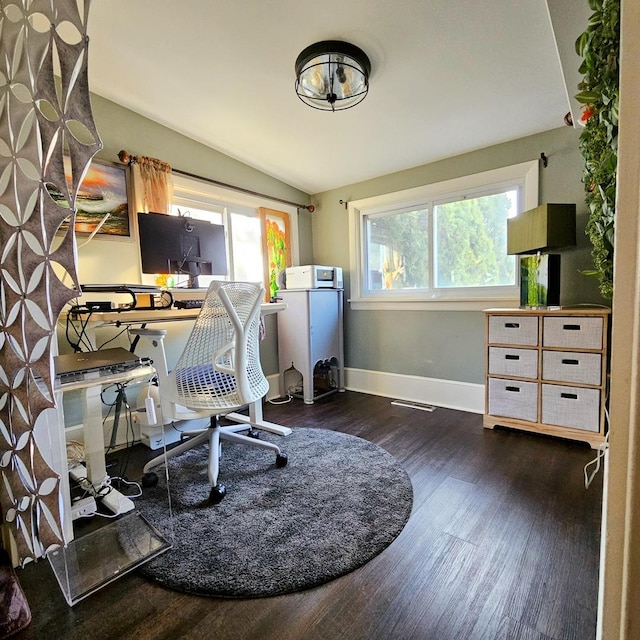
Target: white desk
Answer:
pixel 155 347
pixel 142 316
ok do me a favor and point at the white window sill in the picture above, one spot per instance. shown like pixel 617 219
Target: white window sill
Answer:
pixel 433 305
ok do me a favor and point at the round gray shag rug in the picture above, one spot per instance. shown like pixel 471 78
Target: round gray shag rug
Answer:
pixel 338 503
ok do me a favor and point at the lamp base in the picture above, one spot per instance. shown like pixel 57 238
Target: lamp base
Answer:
pixel 540 281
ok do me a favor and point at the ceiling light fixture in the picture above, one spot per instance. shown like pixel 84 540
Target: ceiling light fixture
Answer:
pixel 332 75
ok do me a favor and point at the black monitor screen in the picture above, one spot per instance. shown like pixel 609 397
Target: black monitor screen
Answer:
pixel 181 245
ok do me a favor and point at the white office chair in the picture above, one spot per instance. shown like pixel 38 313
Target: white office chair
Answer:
pixel 218 372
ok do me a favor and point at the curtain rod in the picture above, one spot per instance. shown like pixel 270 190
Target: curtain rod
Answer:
pixel 127 158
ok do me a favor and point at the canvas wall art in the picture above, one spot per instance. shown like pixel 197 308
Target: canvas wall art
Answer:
pixel 276 247
pixel 102 199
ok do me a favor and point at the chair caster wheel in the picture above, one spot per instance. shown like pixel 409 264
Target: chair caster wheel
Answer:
pixel 281 460
pixel 254 433
pixel 149 480
pixel 217 493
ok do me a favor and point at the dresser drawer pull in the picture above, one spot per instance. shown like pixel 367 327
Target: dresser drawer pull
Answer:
pixel 570 361
pixel 516 389
pixel 569 396
pixel 511 325
pixel 511 356
pixel 571 327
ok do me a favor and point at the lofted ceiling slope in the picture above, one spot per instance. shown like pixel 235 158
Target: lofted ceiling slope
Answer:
pixel 447 78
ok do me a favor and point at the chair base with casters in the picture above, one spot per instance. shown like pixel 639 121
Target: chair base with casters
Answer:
pixel 213 435
pixel 218 373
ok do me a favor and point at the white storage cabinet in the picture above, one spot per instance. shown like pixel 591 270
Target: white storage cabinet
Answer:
pixel 310 330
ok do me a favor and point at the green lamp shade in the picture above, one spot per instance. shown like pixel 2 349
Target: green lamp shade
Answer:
pixel 547 227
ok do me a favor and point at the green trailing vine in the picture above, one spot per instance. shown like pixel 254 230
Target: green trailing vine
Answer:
pixel 599 48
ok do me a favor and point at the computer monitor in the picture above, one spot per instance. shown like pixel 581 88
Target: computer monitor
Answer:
pixel 181 245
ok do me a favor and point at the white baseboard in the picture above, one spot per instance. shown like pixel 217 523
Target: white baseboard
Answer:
pixel 124 435
pixel 451 394
pixel 274 386
pixel 76 431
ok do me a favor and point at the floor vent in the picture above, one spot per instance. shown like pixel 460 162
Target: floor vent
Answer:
pixel 414 405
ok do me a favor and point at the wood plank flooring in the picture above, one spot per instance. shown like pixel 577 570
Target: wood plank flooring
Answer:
pixel 502 544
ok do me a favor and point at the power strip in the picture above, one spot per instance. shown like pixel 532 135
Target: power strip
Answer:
pixel 79 474
pixel 117 503
pixel 84 508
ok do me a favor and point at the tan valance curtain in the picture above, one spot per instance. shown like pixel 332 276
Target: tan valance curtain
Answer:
pixel 156 185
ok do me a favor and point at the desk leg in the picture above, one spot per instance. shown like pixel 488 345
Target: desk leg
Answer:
pixel 94 452
pixel 255 417
pixel 63 469
pixel 93 436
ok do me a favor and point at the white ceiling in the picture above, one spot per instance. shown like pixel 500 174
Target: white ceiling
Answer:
pixel 447 77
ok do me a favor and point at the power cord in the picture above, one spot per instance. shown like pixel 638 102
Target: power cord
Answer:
pixel 82 339
pixel 124 411
pixel 588 477
pixel 75 452
pixel 103 488
pixel 115 337
pixel 129 483
pixel 285 400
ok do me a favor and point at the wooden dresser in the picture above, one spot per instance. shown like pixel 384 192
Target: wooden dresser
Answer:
pixel 546 371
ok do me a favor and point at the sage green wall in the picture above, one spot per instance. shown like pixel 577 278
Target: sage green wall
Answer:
pixel 121 128
pixel 449 344
pixel 438 344
pixel 115 260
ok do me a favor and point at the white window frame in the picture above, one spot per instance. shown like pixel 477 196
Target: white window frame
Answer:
pixel 524 175
pixel 200 194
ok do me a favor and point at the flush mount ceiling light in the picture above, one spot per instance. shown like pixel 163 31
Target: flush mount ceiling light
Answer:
pixel 332 75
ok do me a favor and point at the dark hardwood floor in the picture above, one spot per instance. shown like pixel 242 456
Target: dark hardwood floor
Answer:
pixel 503 543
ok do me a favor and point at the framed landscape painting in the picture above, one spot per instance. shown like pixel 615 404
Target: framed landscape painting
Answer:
pixel 102 198
pixel 276 248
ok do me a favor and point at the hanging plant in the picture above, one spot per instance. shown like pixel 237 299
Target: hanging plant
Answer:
pixel 599 48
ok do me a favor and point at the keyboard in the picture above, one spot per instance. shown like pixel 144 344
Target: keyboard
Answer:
pixel 187 304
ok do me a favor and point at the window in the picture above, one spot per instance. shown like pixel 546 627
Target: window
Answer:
pixel 239 215
pixel 442 243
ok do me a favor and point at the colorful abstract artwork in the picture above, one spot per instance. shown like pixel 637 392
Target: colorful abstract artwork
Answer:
pixel 276 248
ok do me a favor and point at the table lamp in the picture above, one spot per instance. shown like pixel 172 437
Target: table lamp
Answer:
pixel 531 235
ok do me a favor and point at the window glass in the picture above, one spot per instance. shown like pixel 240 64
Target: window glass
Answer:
pixel 246 245
pixel 199 214
pixel 398 250
pixel 239 214
pixel 470 248
pixel 440 243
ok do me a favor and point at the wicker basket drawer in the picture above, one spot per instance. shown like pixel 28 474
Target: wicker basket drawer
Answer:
pixel 568 366
pixel 513 399
pixel 522 363
pixel 571 407
pixel 513 330
pixel 573 332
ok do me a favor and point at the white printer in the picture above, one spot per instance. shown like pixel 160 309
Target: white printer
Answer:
pixel 313 276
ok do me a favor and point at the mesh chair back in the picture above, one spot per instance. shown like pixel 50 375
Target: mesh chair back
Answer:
pixel 219 368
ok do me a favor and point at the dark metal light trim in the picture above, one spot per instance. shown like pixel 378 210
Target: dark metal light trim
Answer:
pixel 339 55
